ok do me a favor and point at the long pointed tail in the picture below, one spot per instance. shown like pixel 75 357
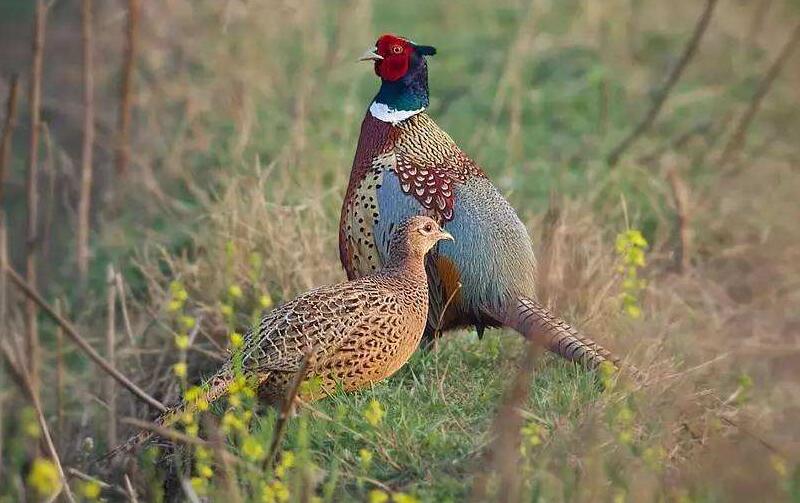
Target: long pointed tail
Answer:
pixel 536 322
pixel 217 387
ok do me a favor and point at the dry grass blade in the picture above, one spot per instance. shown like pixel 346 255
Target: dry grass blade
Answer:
pixel 672 78
pixel 177 436
pixel 34 398
pixel 59 379
pixel 286 410
pixel 111 392
pixel 8 130
pixel 31 293
pixel 3 321
pixel 87 147
pixel 228 475
pixel 504 450
pixel 88 478
pixel 131 491
pixel 680 197
pixel 126 89
pixel 32 190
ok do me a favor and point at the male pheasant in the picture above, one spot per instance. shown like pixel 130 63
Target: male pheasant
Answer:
pixel 406 165
pixel 354 333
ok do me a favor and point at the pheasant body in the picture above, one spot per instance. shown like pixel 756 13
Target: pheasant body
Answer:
pixel 405 165
pixel 352 334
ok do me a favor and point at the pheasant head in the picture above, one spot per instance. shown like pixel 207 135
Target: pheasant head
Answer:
pixel 400 63
pixel 414 238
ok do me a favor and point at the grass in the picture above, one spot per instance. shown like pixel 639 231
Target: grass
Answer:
pixel 245 124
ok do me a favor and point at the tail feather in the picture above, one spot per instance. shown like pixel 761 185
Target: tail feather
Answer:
pixel 218 386
pixel 537 323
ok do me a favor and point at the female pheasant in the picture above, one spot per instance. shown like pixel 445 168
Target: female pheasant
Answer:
pixel 354 334
pixel 406 165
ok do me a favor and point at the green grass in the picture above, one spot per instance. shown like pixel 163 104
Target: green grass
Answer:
pixel 245 128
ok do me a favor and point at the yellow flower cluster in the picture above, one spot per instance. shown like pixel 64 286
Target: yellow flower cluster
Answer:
pixel 43 477
pixel 531 438
pixel 178 296
pixel 381 496
pixel 374 412
pixel 277 491
pixel 630 247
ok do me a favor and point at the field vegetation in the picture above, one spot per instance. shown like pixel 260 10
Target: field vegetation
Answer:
pixel 650 147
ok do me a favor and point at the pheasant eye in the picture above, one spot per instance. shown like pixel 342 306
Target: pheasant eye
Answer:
pixel 428 228
pixel 397 49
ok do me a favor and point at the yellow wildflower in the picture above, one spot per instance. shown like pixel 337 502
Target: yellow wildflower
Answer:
pixel 180 369
pixel 265 301
pixel 199 485
pixel 90 490
pixel 192 430
pixel 654 457
pixel 43 477
pixel 252 449
pixel 193 393
pixel 779 465
pixel 174 305
pixel 235 291
pixel 374 412
pixel 364 459
pixel 404 498
pixel 202 454
pixel 378 496
pixel 187 322
pixel 182 341
pixel 226 310
pixel 205 471
pixel 236 340
pixel 30 424
pixel 287 461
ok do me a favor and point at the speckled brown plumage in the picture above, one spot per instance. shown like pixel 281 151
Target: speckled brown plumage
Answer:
pixel 354 333
pixel 357 333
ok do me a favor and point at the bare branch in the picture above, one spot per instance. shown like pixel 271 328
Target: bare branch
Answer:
pixel 737 139
pixel 111 392
pixel 32 189
pixel 126 89
pixel 34 398
pixel 8 131
pixel 672 78
pixel 87 147
pixel 506 428
pixel 680 197
pixel 32 294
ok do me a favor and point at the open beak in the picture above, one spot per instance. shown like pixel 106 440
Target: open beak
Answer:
pixel 447 235
pixel 371 55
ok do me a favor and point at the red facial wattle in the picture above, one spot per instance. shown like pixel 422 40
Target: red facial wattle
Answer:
pixel 396 53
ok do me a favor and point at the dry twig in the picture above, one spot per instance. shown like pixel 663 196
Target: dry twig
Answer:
pixel 32 294
pixel 59 378
pixel 672 78
pixel 111 392
pixel 32 190
pixel 8 130
pixel 87 147
pixel 737 139
pixel 680 197
pixel 506 427
pixel 27 383
pixel 126 89
pixel 286 409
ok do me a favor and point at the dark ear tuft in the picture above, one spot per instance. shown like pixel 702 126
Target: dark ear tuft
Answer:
pixel 426 50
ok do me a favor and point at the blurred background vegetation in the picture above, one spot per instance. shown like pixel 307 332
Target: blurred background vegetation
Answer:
pixel 244 116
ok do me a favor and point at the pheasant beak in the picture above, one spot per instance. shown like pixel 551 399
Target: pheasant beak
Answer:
pixel 371 55
pixel 447 235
